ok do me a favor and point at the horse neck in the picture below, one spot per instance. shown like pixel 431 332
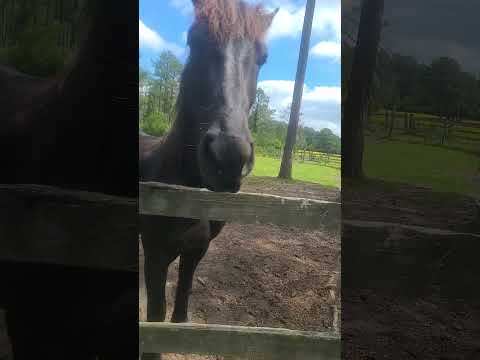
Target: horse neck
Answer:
pixel 97 77
pixel 93 116
pixel 176 158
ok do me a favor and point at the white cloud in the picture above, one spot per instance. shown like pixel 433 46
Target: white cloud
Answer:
pixel 320 104
pixel 185 6
pixel 327 22
pixel 150 39
pixel 286 24
pixel 324 94
pixel 289 20
pixel 329 49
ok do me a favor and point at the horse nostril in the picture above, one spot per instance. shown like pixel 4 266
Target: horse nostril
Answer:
pixel 211 149
pixel 227 155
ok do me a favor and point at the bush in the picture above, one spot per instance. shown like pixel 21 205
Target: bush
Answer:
pixel 37 52
pixel 155 124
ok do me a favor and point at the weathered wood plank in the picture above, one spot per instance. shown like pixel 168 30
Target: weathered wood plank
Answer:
pixel 380 225
pixel 73 228
pixel 249 208
pixel 46 192
pixel 414 260
pixel 244 342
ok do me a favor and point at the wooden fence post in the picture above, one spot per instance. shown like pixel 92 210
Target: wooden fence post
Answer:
pixel 392 123
pixel 334 301
pixel 386 120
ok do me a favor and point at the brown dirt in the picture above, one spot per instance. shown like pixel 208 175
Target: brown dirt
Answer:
pixel 263 275
pixel 386 327
pixel 377 200
pixel 381 323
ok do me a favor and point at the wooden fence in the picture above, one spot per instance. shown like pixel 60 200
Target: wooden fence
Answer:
pixel 243 342
pixel 84 226
pixel 333 160
pixel 77 228
pixel 432 129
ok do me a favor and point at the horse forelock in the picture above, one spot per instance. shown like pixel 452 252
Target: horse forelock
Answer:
pixel 233 19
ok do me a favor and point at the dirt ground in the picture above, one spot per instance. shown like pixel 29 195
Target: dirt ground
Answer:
pixel 263 275
pixel 432 322
pixel 377 200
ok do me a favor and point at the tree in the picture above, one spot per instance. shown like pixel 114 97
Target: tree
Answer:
pixel 158 93
pixel 261 112
pixel 327 142
pixel 144 81
pixel 285 115
pixel 444 78
pixel 360 81
pixel 39 37
pixel 166 75
pixel 286 166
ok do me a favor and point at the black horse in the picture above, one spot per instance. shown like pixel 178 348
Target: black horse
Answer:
pixel 209 144
pixel 77 130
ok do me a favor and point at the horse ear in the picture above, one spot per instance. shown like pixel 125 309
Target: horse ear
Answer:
pixel 270 17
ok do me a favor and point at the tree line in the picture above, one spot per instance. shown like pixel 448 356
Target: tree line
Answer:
pixel 401 82
pixel 158 90
pixel 39 37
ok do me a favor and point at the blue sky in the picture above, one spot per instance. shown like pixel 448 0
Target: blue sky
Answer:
pixel 163 25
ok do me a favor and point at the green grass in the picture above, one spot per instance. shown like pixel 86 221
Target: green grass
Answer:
pixel 309 172
pixel 437 168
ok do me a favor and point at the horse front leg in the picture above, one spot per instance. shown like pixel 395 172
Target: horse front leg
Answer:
pixel 188 265
pixel 199 240
pixel 155 282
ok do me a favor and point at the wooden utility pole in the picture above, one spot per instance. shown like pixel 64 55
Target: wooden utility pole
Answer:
pixel 362 72
pixel 286 167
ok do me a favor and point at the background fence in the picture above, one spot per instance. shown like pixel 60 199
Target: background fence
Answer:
pixel 321 158
pixel 429 128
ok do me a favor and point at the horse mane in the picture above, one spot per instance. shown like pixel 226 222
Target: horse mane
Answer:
pixel 233 19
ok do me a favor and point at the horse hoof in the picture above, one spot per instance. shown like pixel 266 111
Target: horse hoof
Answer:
pixel 179 319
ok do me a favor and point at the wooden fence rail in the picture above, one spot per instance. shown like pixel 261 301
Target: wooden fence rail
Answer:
pixel 240 341
pixel 248 208
pixel 48 224
pixel 77 228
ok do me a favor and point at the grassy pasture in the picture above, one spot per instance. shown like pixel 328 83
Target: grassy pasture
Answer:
pixel 306 171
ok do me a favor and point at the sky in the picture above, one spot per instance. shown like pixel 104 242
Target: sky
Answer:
pixel 428 29
pixel 163 25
